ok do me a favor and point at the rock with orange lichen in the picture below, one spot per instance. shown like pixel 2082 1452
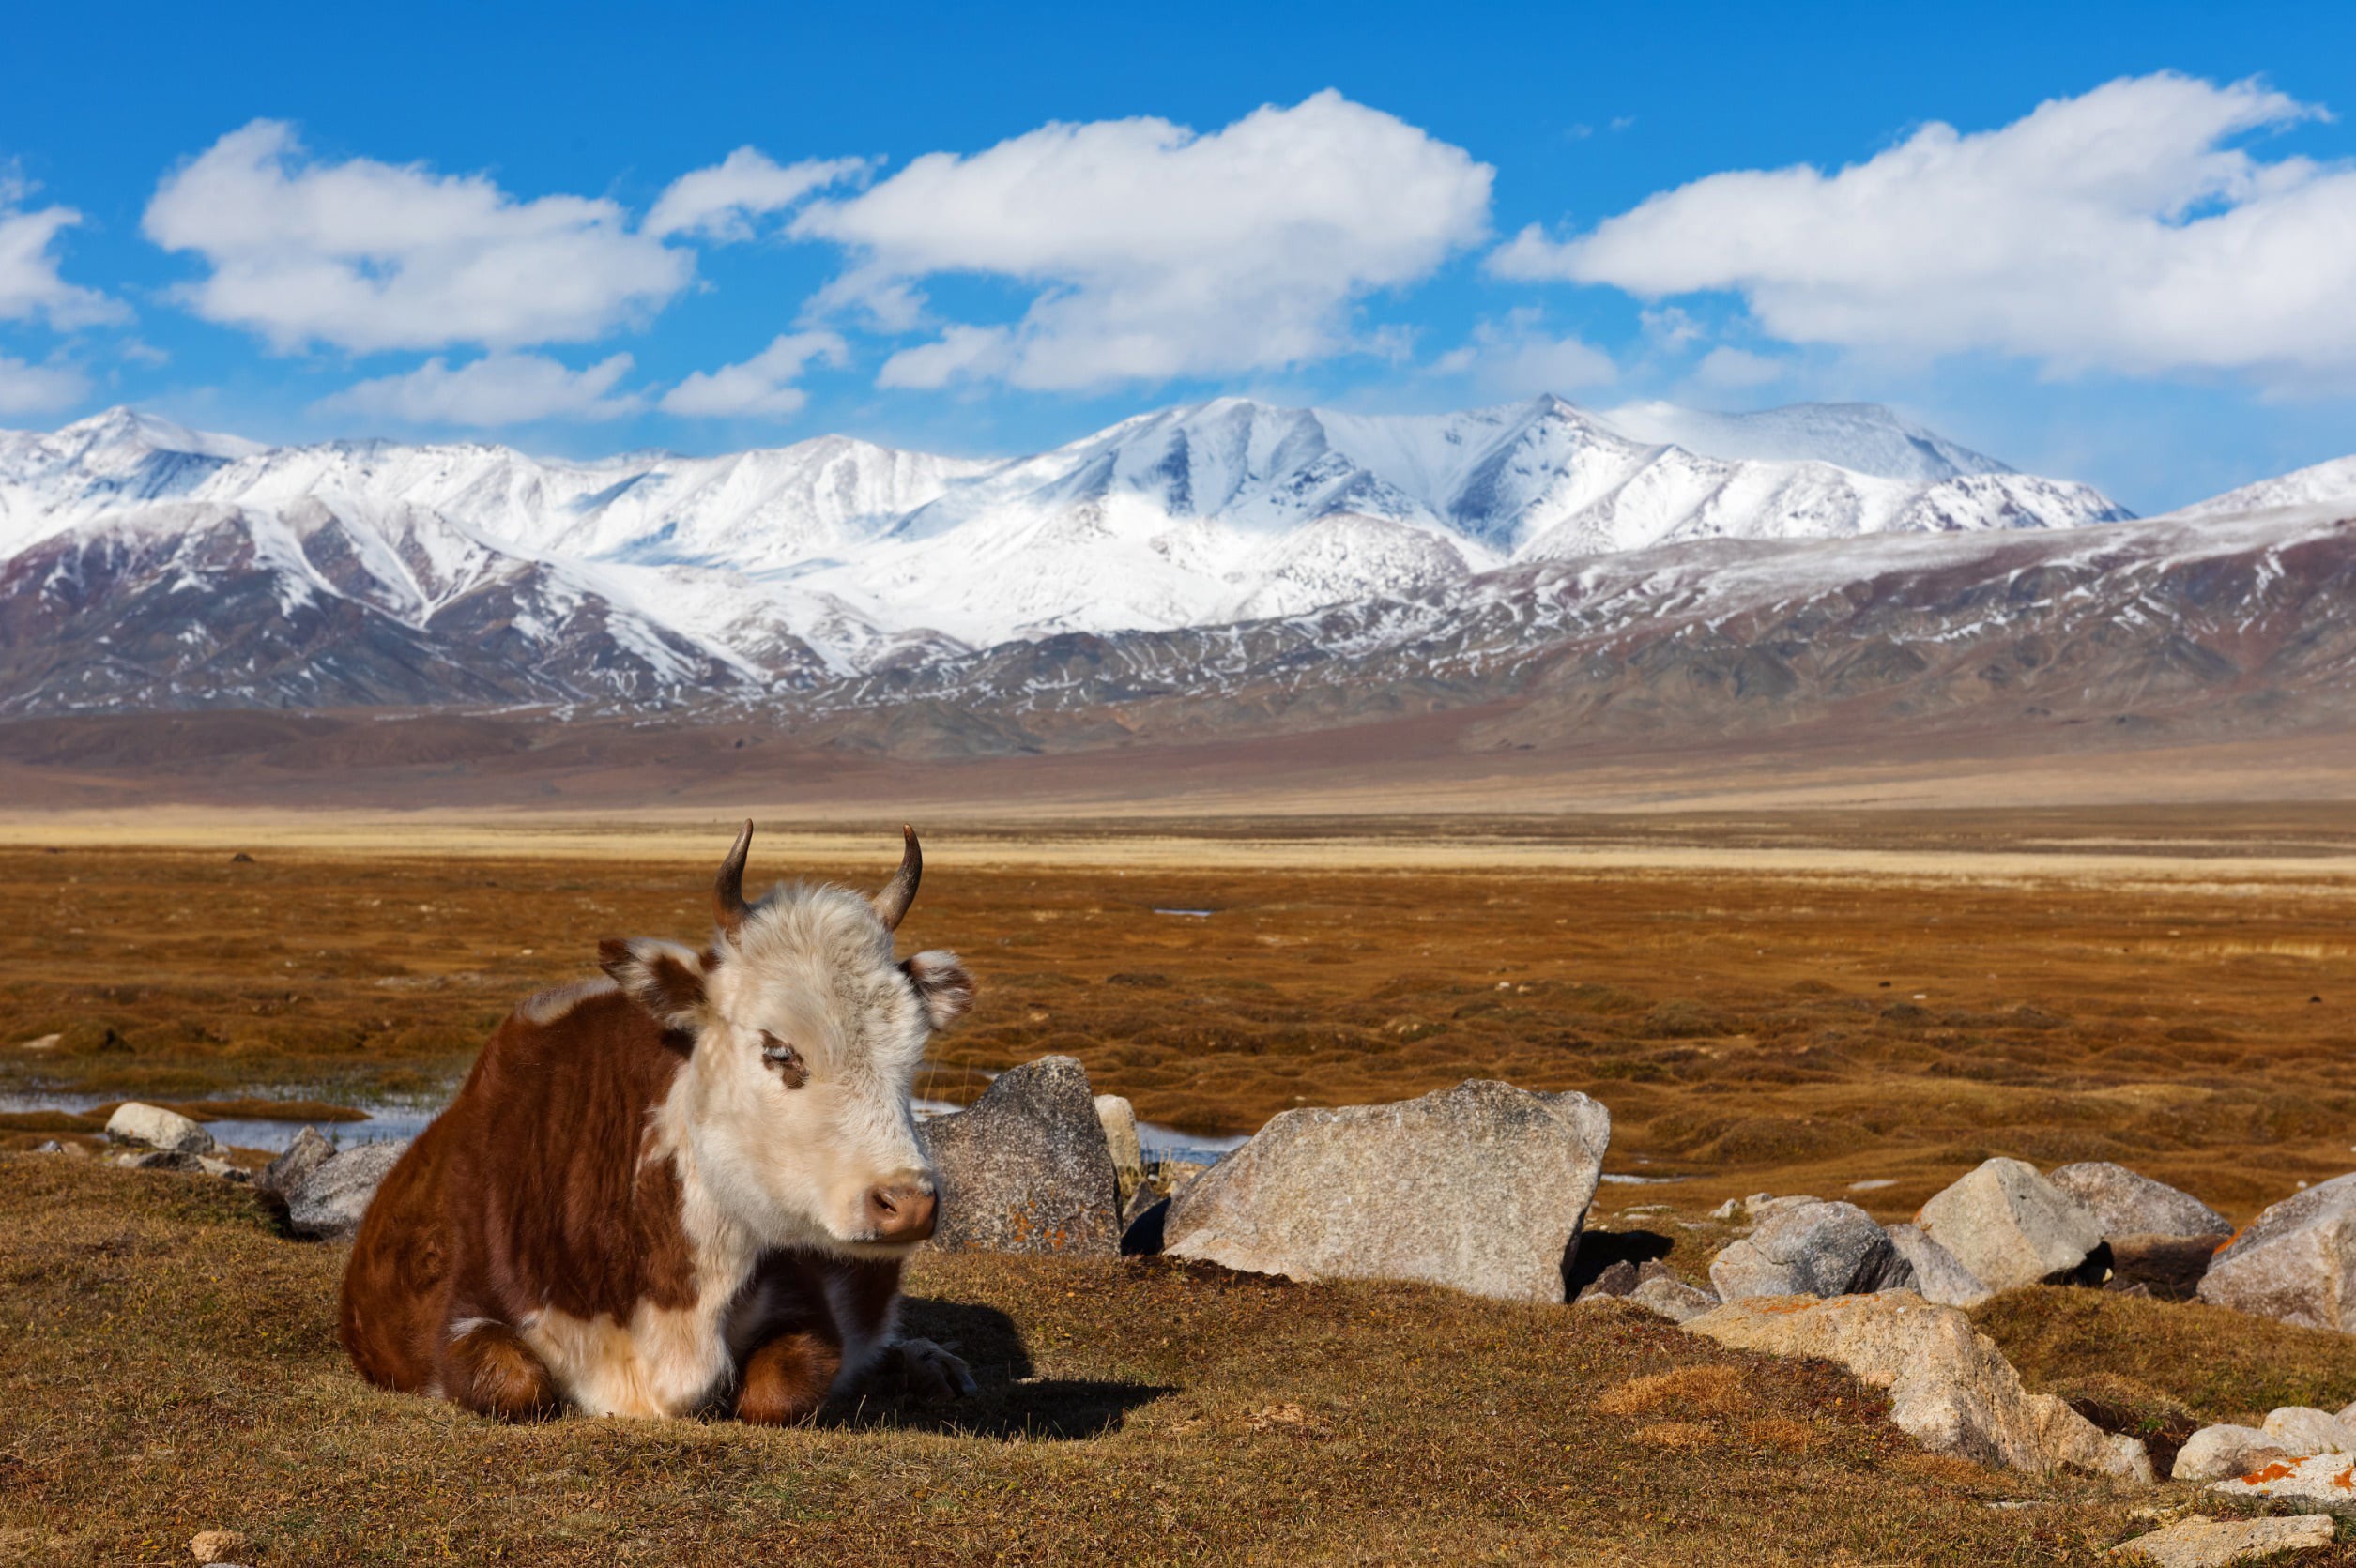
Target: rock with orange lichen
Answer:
pixel 2295 1262
pixel 2321 1481
pixel 1951 1389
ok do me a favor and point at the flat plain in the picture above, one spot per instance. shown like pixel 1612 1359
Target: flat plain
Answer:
pixel 1783 1002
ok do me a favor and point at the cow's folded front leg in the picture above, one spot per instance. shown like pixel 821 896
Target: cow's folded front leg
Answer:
pixel 927 1372
pixel 492 1372
pixel 786 1380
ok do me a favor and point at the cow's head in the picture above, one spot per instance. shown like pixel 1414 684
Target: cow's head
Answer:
pixel 803 1033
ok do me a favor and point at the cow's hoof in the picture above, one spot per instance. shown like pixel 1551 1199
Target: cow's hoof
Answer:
pixel 929 1373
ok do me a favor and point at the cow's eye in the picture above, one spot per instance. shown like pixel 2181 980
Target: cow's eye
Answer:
pixel 776 1053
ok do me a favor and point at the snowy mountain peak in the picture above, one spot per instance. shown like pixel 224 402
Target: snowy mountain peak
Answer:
pixel 2332 483
pixel 1863 437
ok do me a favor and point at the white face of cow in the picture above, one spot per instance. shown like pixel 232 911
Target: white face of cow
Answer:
pixel 793 1103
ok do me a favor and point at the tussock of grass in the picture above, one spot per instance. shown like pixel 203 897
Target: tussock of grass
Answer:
pixel 168 1364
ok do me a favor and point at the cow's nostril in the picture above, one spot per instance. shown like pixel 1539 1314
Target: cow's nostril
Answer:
pixel 900 1211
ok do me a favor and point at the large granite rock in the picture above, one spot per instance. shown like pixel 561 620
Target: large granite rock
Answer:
pixel 293 1168
pixel 2303 1430
pixel 1482 1187
pixel 2010 1227
pixel 2214 1453
pixel 1951 1389
pixel 2160 1237
pixel 2199 1542
pixel 1119 1118
pixel 1025 1168
pixel 2325 1481
pixel 1939 1276
pixel 1815 1249
pixel 2295 1262
pixel 156 1128
pixel 328 1204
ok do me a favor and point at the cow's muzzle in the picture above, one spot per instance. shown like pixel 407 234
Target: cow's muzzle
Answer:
pixel 900 1213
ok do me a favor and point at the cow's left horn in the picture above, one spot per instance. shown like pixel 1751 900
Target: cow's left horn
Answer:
pixel 728 889
pixel 897 894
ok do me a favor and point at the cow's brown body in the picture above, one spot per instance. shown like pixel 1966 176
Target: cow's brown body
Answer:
pixel 537 1194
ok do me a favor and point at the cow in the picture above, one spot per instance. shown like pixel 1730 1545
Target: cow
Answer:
pixel 685 1189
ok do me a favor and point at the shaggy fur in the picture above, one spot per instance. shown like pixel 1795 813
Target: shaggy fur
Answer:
pixel 656 1196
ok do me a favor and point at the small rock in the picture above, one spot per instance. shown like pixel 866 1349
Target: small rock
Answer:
pixel 1617 1279
pixel 2323 1481
pixel 1951 1389
pixel 1120 1123
pixel 1483 1187
pixel 2302 1430
pixel 1813 1249
pixel 135 1123
pixel 218 1545
pixel 2124 1203
pixel 1939 1275
pixel 44 1043
pixel 222 1168
pixel 2296 1262
pixel 2214 1453
pixel 2199 1542
pixel 1672 1299
pixel 50 1146
pixel 241 859
pixel 178 1160
pixel 1025 1168
pixel 329 1204
pixel 307 1154
pixel 2010 1227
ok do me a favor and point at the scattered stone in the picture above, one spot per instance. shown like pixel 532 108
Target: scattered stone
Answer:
pixel 222 1169
pixel 1483 1187
pixel 1120 1123
pixel 46 1042
pixel 1025 1168
pixel 1757 1207
pixel 1672 1299
pixel 2303 1430
pixel 218 1545
pixel 1939 1275
pixel 135 1123
pixel 2214 1453
pixel 2295 1262
pixel 2011 1227
pixel 241 859
pixel 2124 1203
pixel 1872 1184
pixel 2199 1542
pixel 178 1160
pixel 1951 1389
pixel 1813 1249
pixel 2324 1481
pixel 329 1204
pixel 307 1154
pixel 49 1146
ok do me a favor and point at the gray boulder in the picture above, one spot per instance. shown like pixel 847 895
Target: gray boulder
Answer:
pixel 2010 1227
pixel 1815 1249
pixel 2295 1262
pixel 2214 1453
pixel 2126 1204
pixel 1482 1187
pixel 1119 1118
pixel 329 1203
pixel 1939 1275
pixel 1025 1168
pixel 2303 1430
pixel 1672 1299
pixel 307 1154
pixel 136 1123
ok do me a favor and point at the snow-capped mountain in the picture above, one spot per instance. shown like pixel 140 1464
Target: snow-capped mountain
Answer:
pixel 142 562
pixel 2332 483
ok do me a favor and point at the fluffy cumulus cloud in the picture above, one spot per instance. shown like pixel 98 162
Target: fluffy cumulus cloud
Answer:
pixel 367 256
pixel 29 389
pixel 761 387
pixel 1519 357
pixel 504 389
pixel 1152 252
pixel 31 288
pixel 720 203
pixel 2126 229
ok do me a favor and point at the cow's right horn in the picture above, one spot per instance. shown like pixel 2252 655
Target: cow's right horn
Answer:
pixel 892 903
pixel 728 889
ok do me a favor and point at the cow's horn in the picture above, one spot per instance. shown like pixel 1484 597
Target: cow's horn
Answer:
pixel 728 889
pixel 897 894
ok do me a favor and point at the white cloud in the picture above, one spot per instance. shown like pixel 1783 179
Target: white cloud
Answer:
pixel 368 257
pixel 1519 357
pixel 721 202
pixel 1154 252
pixel 495 390
pixel 1731 369
pixel 2122 230
pixel 30 286
pixel 26 389
pixel 762 384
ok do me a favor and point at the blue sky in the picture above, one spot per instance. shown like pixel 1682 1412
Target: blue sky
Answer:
pixel 990 229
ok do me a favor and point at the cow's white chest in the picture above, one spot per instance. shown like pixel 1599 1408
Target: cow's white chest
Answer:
pixel 663 1361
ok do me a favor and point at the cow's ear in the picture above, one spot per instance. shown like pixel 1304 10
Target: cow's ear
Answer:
pixel 941 984
pixel 664 977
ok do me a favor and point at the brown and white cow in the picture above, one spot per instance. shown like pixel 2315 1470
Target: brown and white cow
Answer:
pixel 685 1189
